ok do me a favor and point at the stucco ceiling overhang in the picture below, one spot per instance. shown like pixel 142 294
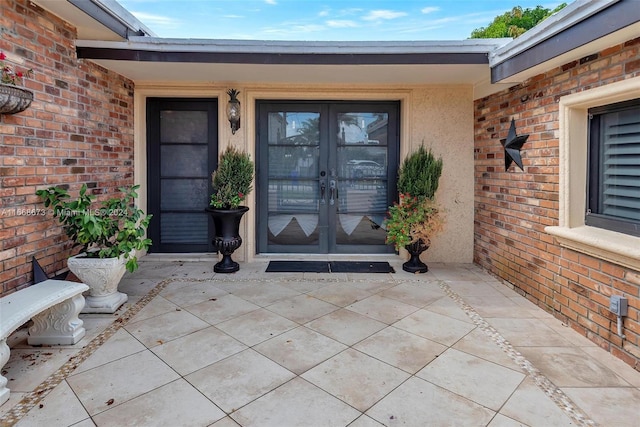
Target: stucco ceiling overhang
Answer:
pixel 582 28
pixel 148 60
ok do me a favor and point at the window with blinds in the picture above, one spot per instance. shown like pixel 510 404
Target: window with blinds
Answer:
pixel 614 168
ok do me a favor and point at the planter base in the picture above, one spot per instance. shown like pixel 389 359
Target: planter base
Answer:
pixel 226 265
pixel 105 303
pixel 102 275
pixel 414 265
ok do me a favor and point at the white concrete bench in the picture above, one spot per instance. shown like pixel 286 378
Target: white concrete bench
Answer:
pixel 53 305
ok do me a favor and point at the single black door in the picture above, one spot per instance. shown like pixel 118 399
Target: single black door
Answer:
pixel 182 151
pixel 326 175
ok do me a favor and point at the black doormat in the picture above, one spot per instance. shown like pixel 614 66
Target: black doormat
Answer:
pixel 360 267
pixel 329 267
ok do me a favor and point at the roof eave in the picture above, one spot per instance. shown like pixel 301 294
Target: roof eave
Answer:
pixel 564 37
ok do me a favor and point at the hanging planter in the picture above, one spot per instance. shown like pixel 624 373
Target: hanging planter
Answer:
pixel 14 99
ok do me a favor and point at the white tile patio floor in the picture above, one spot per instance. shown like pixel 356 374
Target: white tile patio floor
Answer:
pixel 453 347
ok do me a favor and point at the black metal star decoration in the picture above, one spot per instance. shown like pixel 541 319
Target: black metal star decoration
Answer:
pixel 512 146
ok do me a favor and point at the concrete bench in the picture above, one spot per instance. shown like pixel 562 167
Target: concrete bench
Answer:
pixel 53 305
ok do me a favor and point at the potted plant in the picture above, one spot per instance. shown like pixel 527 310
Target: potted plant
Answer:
pixel 109 237
pixel 412 222
pixel 231 183
pixel 13 99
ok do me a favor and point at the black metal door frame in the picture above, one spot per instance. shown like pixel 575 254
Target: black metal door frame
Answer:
pixel 154 173
pixel 329 111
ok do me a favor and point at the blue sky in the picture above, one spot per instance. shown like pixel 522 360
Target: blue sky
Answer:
pixel 322 20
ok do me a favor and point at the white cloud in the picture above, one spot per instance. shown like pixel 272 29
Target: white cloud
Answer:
pixel 323 13
pixel 288 30
pixel 157 20
pixel 430 9
pixel 341 23
pixel 376 15
pixel 270 1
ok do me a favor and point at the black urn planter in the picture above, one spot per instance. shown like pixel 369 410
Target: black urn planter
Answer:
pixel 414 265
pixel 227 238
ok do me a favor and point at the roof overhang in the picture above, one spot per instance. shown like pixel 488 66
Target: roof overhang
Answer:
pixel 146 59
pixel 582 28
pixel 96 19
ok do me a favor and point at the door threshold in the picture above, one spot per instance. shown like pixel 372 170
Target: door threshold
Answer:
pixel 175 257
pixel 321 257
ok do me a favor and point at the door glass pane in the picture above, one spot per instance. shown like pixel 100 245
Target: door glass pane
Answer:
pixel 188 228
pixel 183 126
pixel 293 162
pixel 362 208
pixel 293 171
pixel 363 128
pixel 184 160
pixel 362 161
pixel 184 194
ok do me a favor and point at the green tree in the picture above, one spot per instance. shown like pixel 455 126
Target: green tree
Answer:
pixel 514 22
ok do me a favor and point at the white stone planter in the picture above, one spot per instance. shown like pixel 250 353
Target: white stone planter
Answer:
pixel 102 275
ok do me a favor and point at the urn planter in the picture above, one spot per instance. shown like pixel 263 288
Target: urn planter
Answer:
pixel 227 236
pixel 14 99
pixel 102 275
pixel 414 265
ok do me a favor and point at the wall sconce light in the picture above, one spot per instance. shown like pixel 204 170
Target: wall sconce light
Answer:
pixel 233 110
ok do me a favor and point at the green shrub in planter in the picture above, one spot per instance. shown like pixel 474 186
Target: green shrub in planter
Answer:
pixel 115 228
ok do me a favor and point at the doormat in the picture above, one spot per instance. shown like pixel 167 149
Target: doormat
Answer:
pixel 329 267
pixel 360 267
pixel 298 267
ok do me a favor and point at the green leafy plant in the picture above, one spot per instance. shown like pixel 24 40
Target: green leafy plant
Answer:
pixel 419 174
pixel 117 227
pixel 232 179
pixel 416 217
pixel 411 220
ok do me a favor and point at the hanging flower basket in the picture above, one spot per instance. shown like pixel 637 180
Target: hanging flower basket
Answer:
pixel 14 99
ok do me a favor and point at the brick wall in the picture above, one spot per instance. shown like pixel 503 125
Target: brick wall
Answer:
pixel 513 208
pixel 79 129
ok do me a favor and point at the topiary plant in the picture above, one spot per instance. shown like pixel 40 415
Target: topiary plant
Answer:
pixel 419 174
pixel 417 216
pixel 232 179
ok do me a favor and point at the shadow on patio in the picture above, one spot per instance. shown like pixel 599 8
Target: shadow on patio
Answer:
pixel 192 348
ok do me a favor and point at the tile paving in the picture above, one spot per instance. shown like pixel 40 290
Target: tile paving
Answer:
pixel 451 347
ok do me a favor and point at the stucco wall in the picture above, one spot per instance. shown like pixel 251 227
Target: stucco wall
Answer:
pixel 439 116
pixel 442 118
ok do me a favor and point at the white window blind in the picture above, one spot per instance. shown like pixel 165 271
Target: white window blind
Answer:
pixel 620 157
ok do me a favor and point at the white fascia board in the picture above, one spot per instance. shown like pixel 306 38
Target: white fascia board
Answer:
pixel 126 17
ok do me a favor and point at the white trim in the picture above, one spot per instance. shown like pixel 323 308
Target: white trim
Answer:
pixel 572 232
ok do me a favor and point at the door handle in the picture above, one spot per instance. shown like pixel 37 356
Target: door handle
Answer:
pixel 323 189
pixel 333 192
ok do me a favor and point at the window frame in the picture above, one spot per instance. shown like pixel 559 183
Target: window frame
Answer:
pixel 592 215
pixel 572 232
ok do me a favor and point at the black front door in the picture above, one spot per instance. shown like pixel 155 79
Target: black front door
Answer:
pixel 326 175
pixel 182 151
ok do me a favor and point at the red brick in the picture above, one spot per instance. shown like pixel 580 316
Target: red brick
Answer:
pixel 513 208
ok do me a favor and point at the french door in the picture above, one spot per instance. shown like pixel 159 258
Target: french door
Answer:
pixel 182 151
pixel 326 175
